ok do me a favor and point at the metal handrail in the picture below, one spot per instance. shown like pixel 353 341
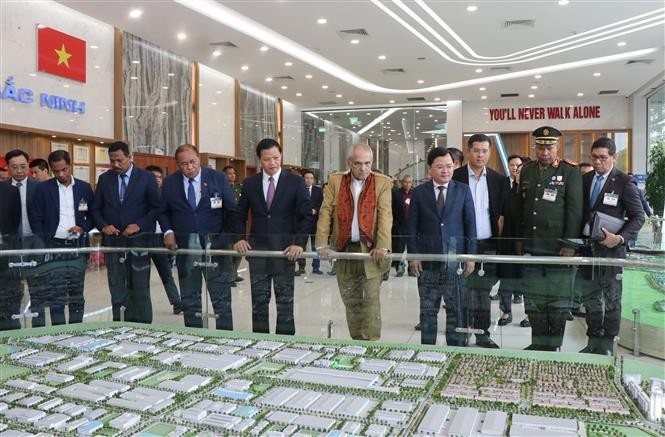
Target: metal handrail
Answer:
pixel 479 258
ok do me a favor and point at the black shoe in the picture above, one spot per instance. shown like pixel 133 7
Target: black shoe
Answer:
pixel 570 317
pixel 300 272
pixel 400 271
pixel 503 321
pixel 332 272
pixel 417 327
pixel 412 274
pixel 486 342
pixel 588 350
pixel 177 309
pixel 239 279
pixel 517 299
pixel 233 284
pixel 578 313
pixel 525 323
pixel 539 347
pixel 385 276
pixel 317 272
pixel 494 296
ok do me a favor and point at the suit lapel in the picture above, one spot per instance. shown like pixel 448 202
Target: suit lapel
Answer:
pixel 450 197
pixel 281 183
pixel 55 195
pixel 608 186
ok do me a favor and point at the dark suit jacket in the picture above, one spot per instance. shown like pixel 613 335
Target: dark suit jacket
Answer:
pixel 497 187
pixel 141 205
pixel 11 209
pixel 399 218
pixel 315 202
pixel 44 212
pixel 287 221
pixel 176 214
pixel 628 204
pixel 31 186
pixel 453 232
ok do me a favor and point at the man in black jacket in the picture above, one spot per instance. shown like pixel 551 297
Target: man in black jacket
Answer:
pixel 488 189
pixel 401 202
pixel 10 283
pixel 315 194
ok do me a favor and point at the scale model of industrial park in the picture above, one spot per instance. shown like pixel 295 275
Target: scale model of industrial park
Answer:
pixel 112 379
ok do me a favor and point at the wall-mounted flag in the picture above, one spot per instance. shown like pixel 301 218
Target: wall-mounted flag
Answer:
pixel 61 54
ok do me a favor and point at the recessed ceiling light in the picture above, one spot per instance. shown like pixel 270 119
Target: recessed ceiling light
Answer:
pixel 52 136
pixel 339 96
pixel 135 13
pixel 479 70
pixel 181 36
pixel 430 116
pixel 348 113
pixel 298 94
pixel 308 76
pixel 94 47
pixel 165 87
pixel 482 88
pixel 98 67
pixel 134 78
pixel 472 8
pixel 483 97
pixel 217 52
pixel 403 112
pixel 420 81
pixel 391 101
pixel 355 41
pixel 288 63
pixel 218 92
pixel 382 57
pixel 580 94
pixel 621 43
pixel 596 74
pixel 325 87
pixel 264 48
pixel 268 79
pixel 350 102
pixel 214 103
pixel 136 62
pixel 171 74
pixel 531 96
pixel 436 99
pixel 66 85
pixel 284 87
pixel 244 68
pixel 563 2
pixel 322 21
pixel 537 76
pixel 534 87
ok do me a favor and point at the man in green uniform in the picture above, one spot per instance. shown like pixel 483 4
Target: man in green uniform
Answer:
pixel 230 173
pixel 551 191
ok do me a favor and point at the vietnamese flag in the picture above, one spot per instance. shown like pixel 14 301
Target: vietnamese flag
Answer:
pixel 60 54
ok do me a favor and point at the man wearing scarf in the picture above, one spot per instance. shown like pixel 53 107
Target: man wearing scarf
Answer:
pixel 357 204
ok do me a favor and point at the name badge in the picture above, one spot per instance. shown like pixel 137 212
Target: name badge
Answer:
pixel 549 194
pixel 83 206
pixel 407 201
pixel 611 199
pixel 215 202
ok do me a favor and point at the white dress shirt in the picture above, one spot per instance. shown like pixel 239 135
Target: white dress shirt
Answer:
pixel 266 182
pixel 481 203
pixel 197 186
pixel 67 210
pixel 23 191
pixel 356 188
pixel 587 226
pixel 436 191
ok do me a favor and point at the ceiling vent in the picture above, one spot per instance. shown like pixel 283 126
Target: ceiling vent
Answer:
pixel 350 34
pixel 282 78
pixel 415 99
pixel 639 61
pixel 500 68
pixel 607 92
pixel 519 24
pixel 227 44
pixel 327 103
pixel 390 71
pixel 510 95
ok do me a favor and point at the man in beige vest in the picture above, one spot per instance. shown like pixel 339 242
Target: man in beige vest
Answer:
pixel 357 204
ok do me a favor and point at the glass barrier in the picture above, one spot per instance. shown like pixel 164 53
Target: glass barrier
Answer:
pixel 588 302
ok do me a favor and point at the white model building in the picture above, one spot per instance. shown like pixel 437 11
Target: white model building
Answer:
pixel 434 419
pixel 652 404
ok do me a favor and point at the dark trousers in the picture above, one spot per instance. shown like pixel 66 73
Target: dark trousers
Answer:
pixel 62 284
pixel 164 265
pixel 433 285
pixel 129 278
pixel 547 301
pixel 11 291
pixel 479 288
pixel 218 282
pixel 261 283
pixel 399 244
pixel 315 261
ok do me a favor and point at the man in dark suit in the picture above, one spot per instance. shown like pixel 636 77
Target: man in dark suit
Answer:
pixel 60 218
pixel 488 189
pixel 10 283
pixel 17 164
pixel 610 191
pixel 195 204
pixel 401 202
pixel 125 209
pixel 315 194
pixel 441 221
pixel 281 216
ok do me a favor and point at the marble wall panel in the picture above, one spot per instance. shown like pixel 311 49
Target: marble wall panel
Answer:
pixel 157 97
pixel 216 112
pixel 292 134
pixel 258 120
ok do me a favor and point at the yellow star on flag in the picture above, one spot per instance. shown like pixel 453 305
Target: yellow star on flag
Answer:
pixel 63 56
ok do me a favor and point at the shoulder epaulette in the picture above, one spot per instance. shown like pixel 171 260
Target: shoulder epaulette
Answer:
pixel 569 162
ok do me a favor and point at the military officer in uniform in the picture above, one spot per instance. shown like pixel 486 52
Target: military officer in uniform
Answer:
pixel 551 191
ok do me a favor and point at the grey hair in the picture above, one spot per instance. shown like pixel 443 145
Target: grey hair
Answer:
pixel 363 146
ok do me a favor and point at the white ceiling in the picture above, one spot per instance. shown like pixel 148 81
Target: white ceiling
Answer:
pixel 481 34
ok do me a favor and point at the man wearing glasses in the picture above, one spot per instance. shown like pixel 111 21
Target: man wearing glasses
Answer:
pixel 551 191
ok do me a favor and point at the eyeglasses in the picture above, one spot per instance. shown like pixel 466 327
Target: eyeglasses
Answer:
pixel 599 158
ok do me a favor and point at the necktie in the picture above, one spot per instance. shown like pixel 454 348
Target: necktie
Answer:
pixel 596 190
pixel 440 200
pixel 20 225
pixel 123 186
pixel 271 191
pixel 191 194
pixel 309 192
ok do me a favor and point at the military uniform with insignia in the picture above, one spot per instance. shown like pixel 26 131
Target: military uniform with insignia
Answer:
pixel 551 192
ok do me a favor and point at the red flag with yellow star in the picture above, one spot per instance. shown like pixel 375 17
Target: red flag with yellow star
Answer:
pixel 60 54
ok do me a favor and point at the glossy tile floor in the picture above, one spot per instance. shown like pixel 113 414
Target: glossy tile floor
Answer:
pixel 318 305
